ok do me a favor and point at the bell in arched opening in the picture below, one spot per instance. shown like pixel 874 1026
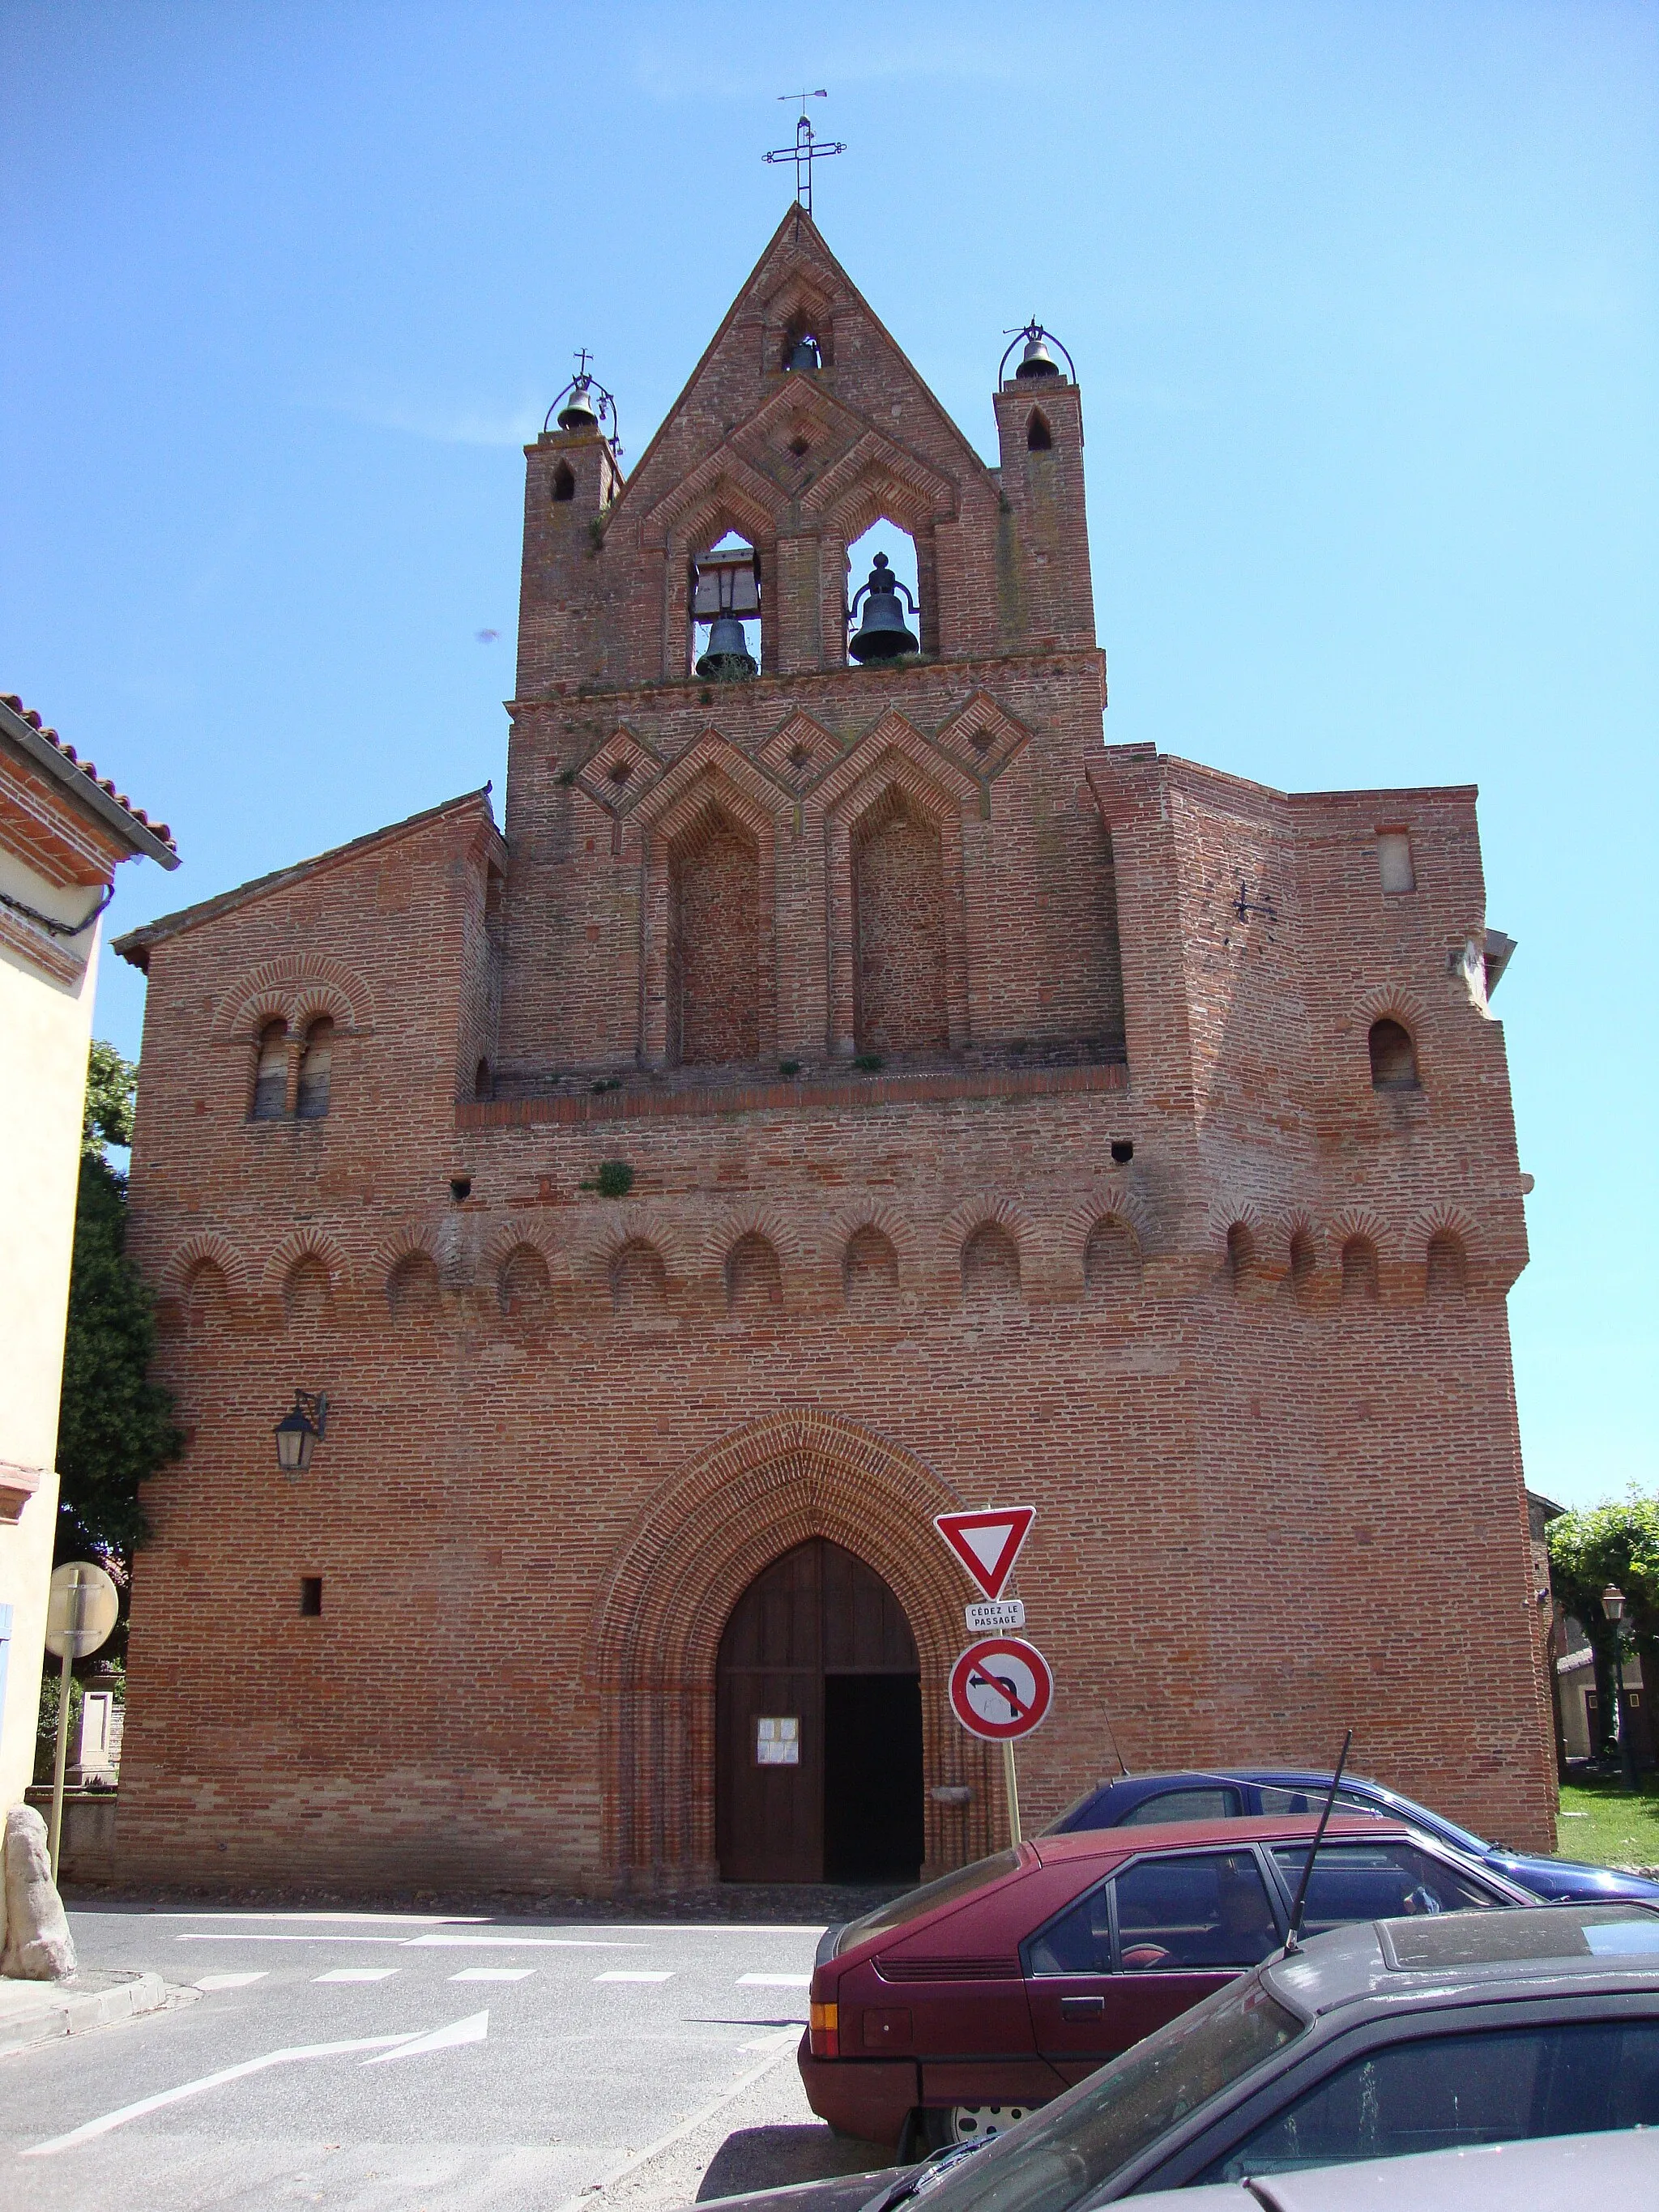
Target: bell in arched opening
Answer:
pixel 725 589
pixel 804 354
pixel 884 633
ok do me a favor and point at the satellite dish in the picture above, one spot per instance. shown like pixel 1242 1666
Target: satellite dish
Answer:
pixel 80 1610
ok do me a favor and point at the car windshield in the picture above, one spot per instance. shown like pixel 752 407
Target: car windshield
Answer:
pixel 1465 1839
pixel 1074 2145
pixel 932 1894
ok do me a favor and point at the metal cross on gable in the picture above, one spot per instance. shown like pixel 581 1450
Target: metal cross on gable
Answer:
pixel 805 149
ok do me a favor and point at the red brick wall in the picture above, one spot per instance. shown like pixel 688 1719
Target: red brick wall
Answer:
pixel 1128 1002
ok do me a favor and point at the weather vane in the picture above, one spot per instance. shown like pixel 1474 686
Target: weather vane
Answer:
pixel 805 149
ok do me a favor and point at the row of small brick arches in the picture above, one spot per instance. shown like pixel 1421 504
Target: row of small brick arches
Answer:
pixel 640 1284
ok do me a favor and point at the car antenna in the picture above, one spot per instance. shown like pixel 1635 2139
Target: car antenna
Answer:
pixel 1293 1939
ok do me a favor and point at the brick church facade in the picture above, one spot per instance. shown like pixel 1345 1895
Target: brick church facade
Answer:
pixel 833 1097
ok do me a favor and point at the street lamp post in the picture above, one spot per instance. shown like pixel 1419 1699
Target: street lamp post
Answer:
pixel 1613 1604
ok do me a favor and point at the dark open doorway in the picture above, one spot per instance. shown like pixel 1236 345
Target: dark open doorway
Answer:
pixel 872 1777
pixel 818 1726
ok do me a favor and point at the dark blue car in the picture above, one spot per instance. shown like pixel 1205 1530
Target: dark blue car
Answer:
pixel 1140 1800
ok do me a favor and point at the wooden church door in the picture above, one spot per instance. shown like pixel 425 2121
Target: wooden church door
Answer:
pixel 818 1726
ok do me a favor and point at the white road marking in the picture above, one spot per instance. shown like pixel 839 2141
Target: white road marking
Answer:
pixel 357 1974
pixel 370 1919
pixel 211 1981
pixel 514 1943
pixel 774 1981
pixel 773 2042
pixel 263 1936
pixel 494 1974
pixel 474 2028
pixel 633 1978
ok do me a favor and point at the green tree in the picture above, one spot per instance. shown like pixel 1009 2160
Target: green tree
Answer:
pixel 115 1425
pixel 111 1087
pixel 1603 1544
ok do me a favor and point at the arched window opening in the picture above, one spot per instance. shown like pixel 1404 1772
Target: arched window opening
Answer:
pixel 1039 438
pixel 869 1274
pixel 754 1283
pixel 990 1266
pixel 305 1291
pixel 483 1081
pixel 207 1295
pixel 411 1290
pixel 564 482
pixel 1447 1274
pixel 1359 1270
pixel 1241 1256
pixel 638 1282
pixel 1303 1262
pixel 315 1062
pixel 1111 1260
pixel 1393 1057
pixel 714 945
pixel 883 576
pixel 723 607
pixel 899 914
pixel 271 1074
pixel 524 1288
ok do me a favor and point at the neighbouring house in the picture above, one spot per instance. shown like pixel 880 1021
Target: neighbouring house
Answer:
pixel 63 831
pixel 845 1089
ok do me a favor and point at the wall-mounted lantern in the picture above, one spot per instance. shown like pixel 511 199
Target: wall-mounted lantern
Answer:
pixel 300 1431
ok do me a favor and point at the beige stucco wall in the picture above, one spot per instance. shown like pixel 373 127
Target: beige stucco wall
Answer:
pixel 45 1028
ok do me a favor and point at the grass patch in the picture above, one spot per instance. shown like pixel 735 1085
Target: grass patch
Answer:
pixel 1615 1829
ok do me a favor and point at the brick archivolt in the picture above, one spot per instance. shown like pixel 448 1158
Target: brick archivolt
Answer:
pixel 211 1250
pixel 296 989
pixel 682 1568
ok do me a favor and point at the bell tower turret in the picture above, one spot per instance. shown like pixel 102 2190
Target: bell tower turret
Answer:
pixel 572 477
pixel 1040 429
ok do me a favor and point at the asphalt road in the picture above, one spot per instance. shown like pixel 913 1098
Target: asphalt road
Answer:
pixel 401 2062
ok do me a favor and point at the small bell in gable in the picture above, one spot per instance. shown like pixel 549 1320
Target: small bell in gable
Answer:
pixel 884 633
pixel 804 354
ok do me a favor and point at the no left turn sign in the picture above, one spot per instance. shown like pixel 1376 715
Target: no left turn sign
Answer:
pixel 1001 1687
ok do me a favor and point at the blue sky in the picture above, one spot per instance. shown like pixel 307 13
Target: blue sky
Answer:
pixel 1362 299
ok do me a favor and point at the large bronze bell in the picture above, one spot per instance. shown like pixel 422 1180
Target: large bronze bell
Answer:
pixel 728 657
pixel 577 413
pixel 884 633
pixel 1036 361
pixel 804 354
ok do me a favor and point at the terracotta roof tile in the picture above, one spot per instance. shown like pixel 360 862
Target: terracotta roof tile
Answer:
pixel 89 770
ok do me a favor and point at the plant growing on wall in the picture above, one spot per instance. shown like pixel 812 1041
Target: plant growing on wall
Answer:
pixel 115 1425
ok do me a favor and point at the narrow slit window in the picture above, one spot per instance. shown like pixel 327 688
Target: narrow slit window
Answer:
pixel 564 482
pixel 311 1597
pixel 1039 438
pixel 315 1063
pixel 271 1074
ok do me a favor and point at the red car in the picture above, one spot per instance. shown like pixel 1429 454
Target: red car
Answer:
pixel 962 2004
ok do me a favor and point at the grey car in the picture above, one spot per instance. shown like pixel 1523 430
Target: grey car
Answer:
pixel 1379 2040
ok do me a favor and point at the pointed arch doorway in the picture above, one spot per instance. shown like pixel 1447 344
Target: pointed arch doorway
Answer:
pixel 818 1744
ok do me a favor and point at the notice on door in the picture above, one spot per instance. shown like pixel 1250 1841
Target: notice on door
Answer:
pixel 777 1741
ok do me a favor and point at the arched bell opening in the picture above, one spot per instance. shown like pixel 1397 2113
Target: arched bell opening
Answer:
pixel 885 615
pixel 724 623
pixel 818 1731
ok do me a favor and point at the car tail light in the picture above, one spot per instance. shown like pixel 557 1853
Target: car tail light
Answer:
pixel 824 2028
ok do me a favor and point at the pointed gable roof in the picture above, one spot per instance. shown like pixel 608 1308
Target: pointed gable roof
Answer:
pixel 797 260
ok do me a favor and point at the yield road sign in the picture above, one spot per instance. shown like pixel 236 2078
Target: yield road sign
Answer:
pixel 1001 1687
pixel 987 1544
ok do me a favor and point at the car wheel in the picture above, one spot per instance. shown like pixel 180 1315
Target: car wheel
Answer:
pixel 926 2130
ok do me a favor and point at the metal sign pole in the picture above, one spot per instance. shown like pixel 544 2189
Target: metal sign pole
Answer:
pixel 1013 1782
pixel 63 1754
